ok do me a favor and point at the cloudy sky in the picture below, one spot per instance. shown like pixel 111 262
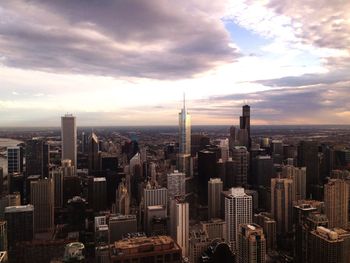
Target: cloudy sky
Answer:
pixel 117 62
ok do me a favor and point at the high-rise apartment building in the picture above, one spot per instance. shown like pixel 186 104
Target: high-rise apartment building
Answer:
pixel 215 187
pixel 69 138
pixel 42 198
pixel 336 198
pixel 251 244
pixel 282 194
pixel 238 210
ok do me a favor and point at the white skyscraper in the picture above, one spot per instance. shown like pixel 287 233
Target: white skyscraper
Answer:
pixel 176 184
pixel 179 224
pixel 215 186
pixel 238 210
pixel 184 131
pixel 69 138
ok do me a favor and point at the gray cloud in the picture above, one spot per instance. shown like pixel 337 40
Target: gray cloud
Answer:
pixel 307 79
pixel 155 39
pixel 320 104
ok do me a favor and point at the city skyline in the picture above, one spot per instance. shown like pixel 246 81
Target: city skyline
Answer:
pixel 129 62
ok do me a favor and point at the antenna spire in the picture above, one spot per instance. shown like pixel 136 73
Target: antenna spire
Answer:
pixel 184 106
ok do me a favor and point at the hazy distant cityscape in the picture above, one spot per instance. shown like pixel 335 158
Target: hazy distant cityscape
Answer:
pixel 180 194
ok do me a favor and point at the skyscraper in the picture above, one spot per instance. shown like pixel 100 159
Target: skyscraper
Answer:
pixel 57 177
pixel 298 175
pixel 37 157
pixel 180 221
pixel 251 244
pixel 69 138
pixel 184 130
pixel 97 193
pixel 308 157
pixel 206 169
pixel 14 159
pixel 122 199
pixel 336 197
pixel 238 210
pixel 268 224
pixel 244 121
pixel 20 223
pixel 93 149
pixel 42 198
pixel 329 246
pixel 215 187
pixel 240 158
pixel 282 193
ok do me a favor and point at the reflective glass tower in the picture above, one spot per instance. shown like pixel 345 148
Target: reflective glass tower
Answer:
pixel 184 131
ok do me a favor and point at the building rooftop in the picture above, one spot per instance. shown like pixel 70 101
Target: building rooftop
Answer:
pixel 99 179
pixel 143 244
pixel 20 208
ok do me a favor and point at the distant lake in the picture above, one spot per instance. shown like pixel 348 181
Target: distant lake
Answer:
pixel 4 143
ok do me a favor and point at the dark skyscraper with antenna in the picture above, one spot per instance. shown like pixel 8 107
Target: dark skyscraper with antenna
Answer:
pixel 244 121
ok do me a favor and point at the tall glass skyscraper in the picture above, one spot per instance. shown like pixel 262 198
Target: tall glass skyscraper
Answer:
pixel 184 131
